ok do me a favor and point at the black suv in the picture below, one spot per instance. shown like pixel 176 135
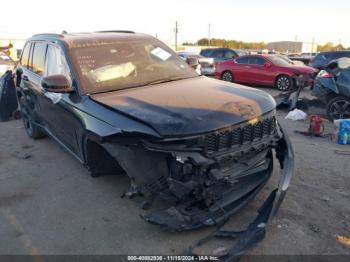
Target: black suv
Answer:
pixel 125 102
pixel 321 60
pixel 221 54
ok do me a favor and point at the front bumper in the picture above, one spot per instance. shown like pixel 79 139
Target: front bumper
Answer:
pixel 210 199
pixel 256 230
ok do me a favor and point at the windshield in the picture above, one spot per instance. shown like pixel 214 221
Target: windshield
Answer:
pixel 119 64
pixel 278 61
pixel 286 59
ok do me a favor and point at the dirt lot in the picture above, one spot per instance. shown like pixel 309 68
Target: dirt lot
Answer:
pixel 50 205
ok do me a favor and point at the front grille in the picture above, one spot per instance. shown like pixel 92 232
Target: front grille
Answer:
pixel 226 139
pixel 158 184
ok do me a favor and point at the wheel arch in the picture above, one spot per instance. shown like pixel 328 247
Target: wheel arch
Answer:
pixel 97 159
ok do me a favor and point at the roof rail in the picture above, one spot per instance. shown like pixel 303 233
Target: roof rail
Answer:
pixel 116 31
pixel 49 34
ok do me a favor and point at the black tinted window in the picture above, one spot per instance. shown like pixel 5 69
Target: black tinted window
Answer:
pixel 206 52
pixel 218 54
pixel 229 54
pixel 256 61
pixel 242 60
pixel 25 55
pixel 39 56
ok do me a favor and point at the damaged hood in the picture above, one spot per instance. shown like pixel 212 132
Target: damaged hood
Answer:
pixel 189 106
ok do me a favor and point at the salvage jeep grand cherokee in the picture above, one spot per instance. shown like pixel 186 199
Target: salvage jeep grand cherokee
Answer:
pixel 124 102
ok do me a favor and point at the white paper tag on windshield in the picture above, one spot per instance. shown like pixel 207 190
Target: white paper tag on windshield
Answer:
pixel 161 53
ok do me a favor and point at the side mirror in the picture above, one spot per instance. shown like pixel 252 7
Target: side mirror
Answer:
pixel 56 84
pixel 193 62
pixel 267 65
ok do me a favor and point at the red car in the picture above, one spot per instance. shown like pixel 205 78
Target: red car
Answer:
pixel 269 70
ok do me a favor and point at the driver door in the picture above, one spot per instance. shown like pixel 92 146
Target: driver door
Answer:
pixel 64 121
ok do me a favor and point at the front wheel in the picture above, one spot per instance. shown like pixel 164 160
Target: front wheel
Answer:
pixel 284 83
pixel 227 76
pixel 31 129
pixel 338 108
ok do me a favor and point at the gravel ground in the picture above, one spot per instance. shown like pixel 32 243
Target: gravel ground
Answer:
pixel 50 205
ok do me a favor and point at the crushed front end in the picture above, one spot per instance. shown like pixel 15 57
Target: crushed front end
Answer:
pixel 208 177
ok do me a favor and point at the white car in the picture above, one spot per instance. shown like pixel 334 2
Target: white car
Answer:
pixel 207 66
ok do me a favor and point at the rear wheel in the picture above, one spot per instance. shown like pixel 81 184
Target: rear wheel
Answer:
pixel 31 129
pixel 338 108
pixel 283 83
pixel 227 76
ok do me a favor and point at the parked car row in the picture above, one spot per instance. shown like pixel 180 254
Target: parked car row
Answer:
pixel 329 76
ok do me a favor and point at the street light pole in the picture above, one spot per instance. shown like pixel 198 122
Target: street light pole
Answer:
pixel 176 31
pixel 209 35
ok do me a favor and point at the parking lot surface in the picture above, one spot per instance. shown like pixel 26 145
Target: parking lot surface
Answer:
pixel 49 204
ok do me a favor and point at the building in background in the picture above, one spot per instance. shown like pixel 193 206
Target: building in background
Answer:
pixel 293 47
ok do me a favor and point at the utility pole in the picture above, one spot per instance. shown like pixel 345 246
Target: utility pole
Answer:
pixel 176 30
pixel 209 35
pixel 312 45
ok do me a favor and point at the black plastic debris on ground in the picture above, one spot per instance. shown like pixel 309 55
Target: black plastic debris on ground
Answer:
pixel 8 98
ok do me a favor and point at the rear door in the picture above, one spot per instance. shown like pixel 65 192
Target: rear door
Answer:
pixel 29 79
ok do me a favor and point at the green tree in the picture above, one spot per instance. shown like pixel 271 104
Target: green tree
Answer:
pixel 231 43
pixel 326 47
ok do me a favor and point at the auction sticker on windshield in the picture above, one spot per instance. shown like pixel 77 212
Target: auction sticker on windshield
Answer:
pixel 160 53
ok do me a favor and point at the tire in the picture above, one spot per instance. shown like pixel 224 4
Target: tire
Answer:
pixel 284 83
pixel 338 108
pixel 227 76
pixel 31 129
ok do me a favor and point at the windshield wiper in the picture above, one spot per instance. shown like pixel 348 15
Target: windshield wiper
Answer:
pixel 139 85
pixel 166 80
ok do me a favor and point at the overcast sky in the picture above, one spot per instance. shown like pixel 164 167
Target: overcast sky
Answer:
pixel 248 20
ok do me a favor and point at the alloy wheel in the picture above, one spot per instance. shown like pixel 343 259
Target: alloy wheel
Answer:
pixel 283 83
pixel 227 76
pixel 340 109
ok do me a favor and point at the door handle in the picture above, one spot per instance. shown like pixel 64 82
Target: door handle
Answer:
pixel 25 78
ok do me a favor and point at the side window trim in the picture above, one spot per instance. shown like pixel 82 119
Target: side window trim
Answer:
pixel 30 59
